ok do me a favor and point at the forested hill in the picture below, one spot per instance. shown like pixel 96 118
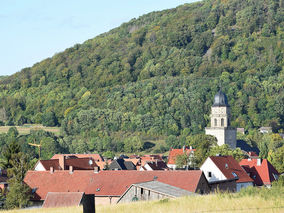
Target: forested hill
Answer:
pixel 158 74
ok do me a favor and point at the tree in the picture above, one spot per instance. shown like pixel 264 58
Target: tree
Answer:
pixel 18 195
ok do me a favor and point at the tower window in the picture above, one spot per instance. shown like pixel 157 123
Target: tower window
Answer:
pixel 222 122
pixel 215 122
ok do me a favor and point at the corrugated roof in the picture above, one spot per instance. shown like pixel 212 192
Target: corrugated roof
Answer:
pixel 163 188
pixel 262 174
pixel 228 166
pixel 62 199
pixel 105 183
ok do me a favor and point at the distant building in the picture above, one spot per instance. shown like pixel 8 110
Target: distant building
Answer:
pixel 66 163
pixel 154 165
pixel 176 152
pixel 152 190
pixel 220 122
pixel 261 171
pixel 225 168
pixel 265 130
pixel 241 130
pixel 121 164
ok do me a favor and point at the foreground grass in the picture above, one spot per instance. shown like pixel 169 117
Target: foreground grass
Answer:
pixel 222 202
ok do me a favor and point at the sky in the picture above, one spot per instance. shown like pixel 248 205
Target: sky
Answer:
pixel 32 30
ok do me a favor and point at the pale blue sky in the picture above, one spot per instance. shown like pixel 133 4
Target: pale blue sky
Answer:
pixel 32 30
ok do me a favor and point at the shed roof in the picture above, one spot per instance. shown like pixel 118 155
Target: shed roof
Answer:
pixel 62 199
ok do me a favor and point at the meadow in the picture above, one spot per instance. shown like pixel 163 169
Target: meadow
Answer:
pixel 250 200
pixel 26 129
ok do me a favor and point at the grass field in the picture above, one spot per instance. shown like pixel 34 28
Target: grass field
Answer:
pixel 24 130
pixel 198 204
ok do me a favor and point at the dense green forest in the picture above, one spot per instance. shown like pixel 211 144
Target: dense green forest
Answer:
pixel 155 77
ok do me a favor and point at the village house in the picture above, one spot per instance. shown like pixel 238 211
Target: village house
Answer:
pixel 121 164
pixel 65 162
pixel 152 190
pixel 156 165
pixel 108 186
pixel 261 171
pixel 176 152
pixel 225 173
pixel 265 129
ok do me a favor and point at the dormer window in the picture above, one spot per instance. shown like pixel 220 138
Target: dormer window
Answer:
pixel 235 175
pixel 226 166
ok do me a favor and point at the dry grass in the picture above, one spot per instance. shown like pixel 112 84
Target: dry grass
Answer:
pixel 210 203
pixel 24 130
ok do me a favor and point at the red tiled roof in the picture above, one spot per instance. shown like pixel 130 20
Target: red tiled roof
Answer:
pixel 105 183
pixel 175 152
pixel 116 182
pixel 59 181
pixel 262 174
pixel 50 163
pixel 228 165
pixel 96 157
pixel 62 199
pixel 151 157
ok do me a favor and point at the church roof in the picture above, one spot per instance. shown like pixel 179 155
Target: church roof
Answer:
pixel 220 99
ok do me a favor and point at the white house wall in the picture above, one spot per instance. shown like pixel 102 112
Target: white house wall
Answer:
pixel 216 174
pixel 39 167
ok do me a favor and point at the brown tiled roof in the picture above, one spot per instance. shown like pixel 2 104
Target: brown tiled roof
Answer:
pixel 62 199
pixel 135 161
pixel 261 174
pixel 151 157
pixel 159 165
pixel 81 163
pixel 96 157
pixel 175 152
pixel 105 183
pixel 228 165
pixel 50 163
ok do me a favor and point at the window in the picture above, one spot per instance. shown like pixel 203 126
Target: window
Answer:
pixel 215 122
pixel 209 174
pixel 222 122
pixel 226 166
pixel 235 175
pixel 142 191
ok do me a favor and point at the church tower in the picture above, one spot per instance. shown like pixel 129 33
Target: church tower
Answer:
pixel 220 122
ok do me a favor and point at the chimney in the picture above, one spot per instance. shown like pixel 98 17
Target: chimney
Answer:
pixel 70 169
pixel 51 170
pixel 62 162
pixel 96 169
pixel 190 147
pixel 258 162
